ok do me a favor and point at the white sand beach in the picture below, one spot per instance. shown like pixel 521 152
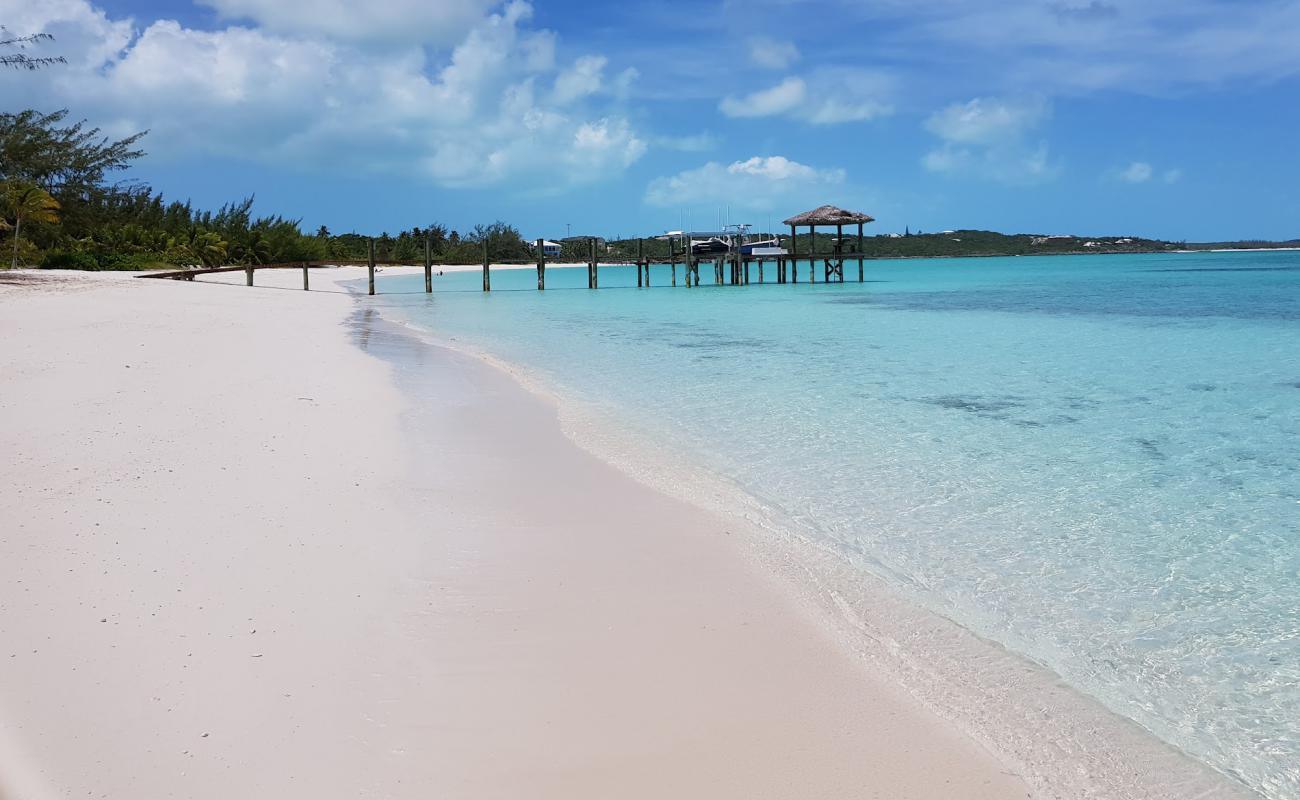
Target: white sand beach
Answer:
pixel 229 569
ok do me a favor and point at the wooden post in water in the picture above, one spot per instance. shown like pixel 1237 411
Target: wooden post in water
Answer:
pixel 859 252
pixel 839 235
pixel 689 253
pixel 793 260
pixel 304 276
pixel 811 253
pixel 642 262
pixel 541 264
pixel 248 274
pixel 487 268
pixel 593 278
pixel 370 263
pixel 760 270
pixel 672 259
pixel 428 264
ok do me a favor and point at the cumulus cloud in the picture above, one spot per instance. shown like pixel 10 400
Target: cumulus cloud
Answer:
pixel 841 95
pixel 772 54
pixel 986 121
pixel 584 78
pixel 496 106
pixel 757 183
pixel 1137 172
pixel 782 98
pixel 988 137
pixel 394 21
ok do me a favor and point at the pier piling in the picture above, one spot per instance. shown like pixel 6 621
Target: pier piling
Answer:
pixel 860 245
pixel 641 264
pixel 541 265
pixel 370 265
pixel 487 268
pixel 428 264
pixel 304 276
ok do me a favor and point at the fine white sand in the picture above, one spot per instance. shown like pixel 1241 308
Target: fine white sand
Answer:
pixel 236 562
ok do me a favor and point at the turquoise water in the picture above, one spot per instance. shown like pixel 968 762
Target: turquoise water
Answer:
pixel 1094 460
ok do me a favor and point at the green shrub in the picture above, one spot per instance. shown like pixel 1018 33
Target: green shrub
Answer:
pixel 131 261
pixel 64 259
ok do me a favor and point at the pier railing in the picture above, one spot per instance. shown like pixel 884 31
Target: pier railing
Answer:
pixel 730 268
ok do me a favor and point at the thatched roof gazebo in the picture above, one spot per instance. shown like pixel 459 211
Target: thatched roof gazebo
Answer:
pixel 827 216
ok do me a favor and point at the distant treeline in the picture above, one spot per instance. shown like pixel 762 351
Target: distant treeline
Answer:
pixel 948 244
pixel 61 209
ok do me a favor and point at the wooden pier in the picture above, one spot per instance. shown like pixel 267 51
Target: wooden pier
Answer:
pixel 732 268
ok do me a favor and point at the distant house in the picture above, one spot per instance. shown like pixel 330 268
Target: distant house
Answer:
pixel 551 249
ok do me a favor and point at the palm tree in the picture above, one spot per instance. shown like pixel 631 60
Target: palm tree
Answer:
pixel 210 248
pixel 25 201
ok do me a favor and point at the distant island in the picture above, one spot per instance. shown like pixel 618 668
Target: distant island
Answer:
pixel 974 243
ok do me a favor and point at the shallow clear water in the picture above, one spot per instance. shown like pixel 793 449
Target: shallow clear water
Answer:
pixel 1094 460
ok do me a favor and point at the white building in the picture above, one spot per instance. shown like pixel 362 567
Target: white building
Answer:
pixel 550 249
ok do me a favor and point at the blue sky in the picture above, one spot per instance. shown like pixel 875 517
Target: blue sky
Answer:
pixel 1167 118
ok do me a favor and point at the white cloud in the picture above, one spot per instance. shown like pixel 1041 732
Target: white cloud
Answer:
pixel 605 143
pixel 987 137
pixel 841 95
pixel 771 53
pixel 479 115
pixel 757 183
pixel 1137 172
pixel 985 121
pixel 400 22
pixel 1070 45
pixel 782 98
pixel 583 78
pixel 84 35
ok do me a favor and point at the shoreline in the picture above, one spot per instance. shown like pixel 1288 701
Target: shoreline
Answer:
pixel 241 579
pixel 1039 717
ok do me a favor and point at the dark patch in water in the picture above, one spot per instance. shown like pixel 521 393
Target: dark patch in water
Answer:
pixel 718 343
pixel 855 299
pixel 973 403
pixel 1151 449
pixel 1080 404
pixel 1292 384
pixel 1225 269
pixel 979 405
pixel 1202 387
